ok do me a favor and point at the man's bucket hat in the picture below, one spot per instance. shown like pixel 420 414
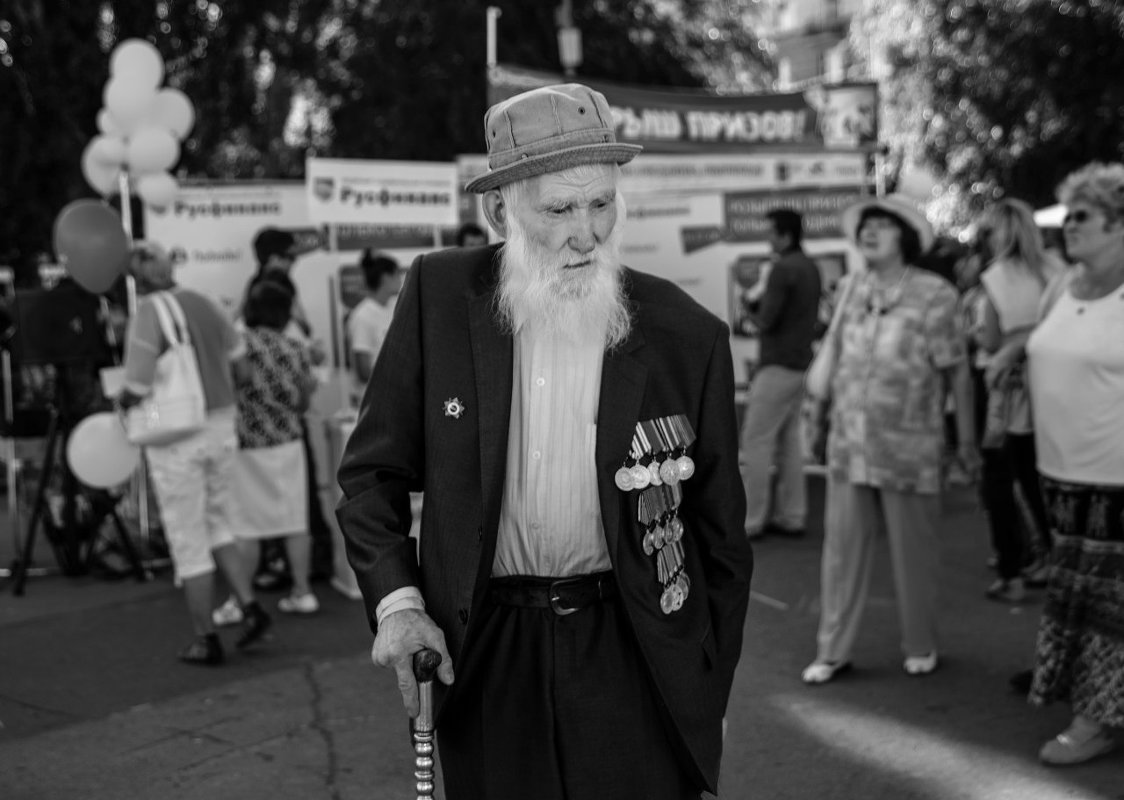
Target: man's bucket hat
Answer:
pixel 549 129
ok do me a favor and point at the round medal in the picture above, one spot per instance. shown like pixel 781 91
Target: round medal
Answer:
pixel 675 527
pixel 667 602
pixel 640 478
pixel 686 467
pixel 623 479
pixel 649 544
pixel 684 584
pixel 677 597
pixel 654 473
pixel 669 471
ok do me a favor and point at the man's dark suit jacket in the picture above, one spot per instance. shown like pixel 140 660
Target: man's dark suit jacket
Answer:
pixel 445 343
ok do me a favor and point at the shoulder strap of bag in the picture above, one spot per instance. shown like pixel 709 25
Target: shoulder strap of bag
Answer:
pixel 171 318
pixel 178 315
pixel 849 282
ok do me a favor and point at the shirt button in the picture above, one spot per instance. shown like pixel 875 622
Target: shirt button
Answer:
pixel 536 455
pixel 540 382
pixel 536 526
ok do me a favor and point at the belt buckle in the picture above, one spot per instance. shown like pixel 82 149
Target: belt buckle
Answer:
pixel 555 599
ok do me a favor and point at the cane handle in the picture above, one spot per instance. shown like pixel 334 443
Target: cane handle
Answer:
pixel 426 662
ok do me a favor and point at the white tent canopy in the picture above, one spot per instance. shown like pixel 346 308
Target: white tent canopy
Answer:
pixel 1050 217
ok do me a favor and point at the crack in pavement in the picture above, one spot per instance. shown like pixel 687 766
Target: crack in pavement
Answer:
pixel 319 724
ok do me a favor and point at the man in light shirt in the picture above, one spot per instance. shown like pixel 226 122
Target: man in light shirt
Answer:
pixel 370 319
pixel 582 567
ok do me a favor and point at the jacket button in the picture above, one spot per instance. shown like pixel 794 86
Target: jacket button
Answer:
pixel 479 533
pixel 463 614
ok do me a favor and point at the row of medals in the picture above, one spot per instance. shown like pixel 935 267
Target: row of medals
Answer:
pixel 662 444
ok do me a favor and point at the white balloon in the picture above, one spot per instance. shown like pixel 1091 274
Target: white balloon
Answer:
pixel 129 100
pixel 137 59
pixel 109 150
pixel 106 122
pixel 173 110
pixel 98 452
pixel 103 178
pixel 152 149
pixel 157 189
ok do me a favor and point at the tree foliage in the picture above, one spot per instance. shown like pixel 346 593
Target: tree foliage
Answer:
pixel 275 81
pixel 1000 97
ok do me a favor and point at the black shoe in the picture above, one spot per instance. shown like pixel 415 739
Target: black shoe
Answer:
pixel 205 651
pixel 773 529
pixel 1020 682
pixel 255 623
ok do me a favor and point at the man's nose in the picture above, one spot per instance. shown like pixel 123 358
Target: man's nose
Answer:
pixel 583 237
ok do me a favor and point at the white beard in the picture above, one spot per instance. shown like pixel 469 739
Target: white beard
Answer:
pixel 583 305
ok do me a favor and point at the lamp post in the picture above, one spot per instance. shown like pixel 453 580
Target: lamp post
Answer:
pixel 569 38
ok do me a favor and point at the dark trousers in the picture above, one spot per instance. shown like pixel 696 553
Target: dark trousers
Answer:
pixel 557 708
pixel 1014 464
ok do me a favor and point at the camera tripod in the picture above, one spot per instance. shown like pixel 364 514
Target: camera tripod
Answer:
pixel 67 539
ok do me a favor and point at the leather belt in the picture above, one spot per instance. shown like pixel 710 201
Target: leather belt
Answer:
pixel 562 595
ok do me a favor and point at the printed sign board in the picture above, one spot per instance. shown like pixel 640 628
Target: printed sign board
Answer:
pixel 381 192
pixel 833 117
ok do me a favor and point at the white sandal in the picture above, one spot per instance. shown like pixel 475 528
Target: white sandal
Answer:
pixel 819 672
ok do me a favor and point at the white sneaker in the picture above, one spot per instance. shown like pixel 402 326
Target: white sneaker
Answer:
pixel 302 604
pixel 920 665
pixel 229 613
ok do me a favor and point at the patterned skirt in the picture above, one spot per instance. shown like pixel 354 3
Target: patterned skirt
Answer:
pixel 1080 655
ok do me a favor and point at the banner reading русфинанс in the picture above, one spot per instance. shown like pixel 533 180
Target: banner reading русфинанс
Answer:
pixel 833 117
pixel 346 191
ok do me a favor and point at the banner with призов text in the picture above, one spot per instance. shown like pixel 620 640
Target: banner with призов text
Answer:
pixel 833 117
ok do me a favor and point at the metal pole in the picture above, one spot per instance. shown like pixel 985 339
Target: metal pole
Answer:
pixel 493 14
pixel 131 302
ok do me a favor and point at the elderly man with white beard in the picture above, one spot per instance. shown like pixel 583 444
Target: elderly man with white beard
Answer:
pixel 581 567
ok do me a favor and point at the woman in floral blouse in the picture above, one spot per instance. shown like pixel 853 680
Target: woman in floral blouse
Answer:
pixel 901 350
pixel 271 475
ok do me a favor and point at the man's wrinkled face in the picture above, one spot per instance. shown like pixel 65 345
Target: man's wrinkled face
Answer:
pixel 561 266
pixel 567 220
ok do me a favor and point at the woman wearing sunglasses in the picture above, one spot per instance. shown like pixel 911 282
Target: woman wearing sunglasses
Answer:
pixel 1076 370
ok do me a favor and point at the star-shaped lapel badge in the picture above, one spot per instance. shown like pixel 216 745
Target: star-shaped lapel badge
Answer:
pixel 454 408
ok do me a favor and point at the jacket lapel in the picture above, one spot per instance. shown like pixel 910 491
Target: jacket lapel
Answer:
pixel 624 378
pixel 492 363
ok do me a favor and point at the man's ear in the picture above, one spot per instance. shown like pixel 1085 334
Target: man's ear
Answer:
pixel 496 212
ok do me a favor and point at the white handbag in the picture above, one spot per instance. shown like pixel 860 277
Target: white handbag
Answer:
pixel 817 380
pixel 176 408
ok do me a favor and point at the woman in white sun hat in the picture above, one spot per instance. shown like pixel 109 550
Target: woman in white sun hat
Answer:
pixel 901 352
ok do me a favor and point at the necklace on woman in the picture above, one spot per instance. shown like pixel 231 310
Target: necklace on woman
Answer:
pixel 881 301
pixel 1085 290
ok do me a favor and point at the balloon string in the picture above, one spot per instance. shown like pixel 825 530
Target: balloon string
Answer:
pixel 126 206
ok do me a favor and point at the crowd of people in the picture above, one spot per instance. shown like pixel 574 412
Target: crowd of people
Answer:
pixel 1026 360
pixel 572 424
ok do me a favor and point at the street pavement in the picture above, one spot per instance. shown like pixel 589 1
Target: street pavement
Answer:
pixel 94 705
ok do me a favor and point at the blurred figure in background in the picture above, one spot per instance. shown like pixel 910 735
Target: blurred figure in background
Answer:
pixel 369 321
pixel 901 353
pixel 471 235
pixel 786 315
pixel 276 252
pixel 270 476
pixel 1013 285
pixel 192 476
pixel 1076 369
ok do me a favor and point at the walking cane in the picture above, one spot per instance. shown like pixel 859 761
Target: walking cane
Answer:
pixel 421 729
